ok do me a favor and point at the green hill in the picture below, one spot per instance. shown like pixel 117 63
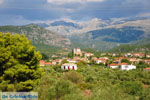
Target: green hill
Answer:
pixel 131 48
pixel 45 40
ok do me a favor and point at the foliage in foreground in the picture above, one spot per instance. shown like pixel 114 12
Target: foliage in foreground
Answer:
pixel 19 63
pixel 94 83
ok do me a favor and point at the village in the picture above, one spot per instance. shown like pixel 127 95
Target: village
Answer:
pixel 124 61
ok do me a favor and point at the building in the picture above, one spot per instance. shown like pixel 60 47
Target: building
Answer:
pixel 77 52
pixel 69 66
pixel 117 61
pixel 140 55
pixel 48 64
pixel 122 66
pixel 87 55
pixel 147 61
pixel 54 56
pixel 127 67
pixel 42 63
pixel 146 69
pixel 113 66
pixel 58 61
pixel 99 61
pixel 104 58
pixel 128 55
pixel 134 60
pixel 148 56
pixel 72 61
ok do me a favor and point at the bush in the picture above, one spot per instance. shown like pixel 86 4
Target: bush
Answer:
pixel 73 77
pixel 132 88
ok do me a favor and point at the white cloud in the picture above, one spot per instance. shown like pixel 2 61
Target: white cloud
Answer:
pixel 71 1
pixel 144 15
pixel 1 1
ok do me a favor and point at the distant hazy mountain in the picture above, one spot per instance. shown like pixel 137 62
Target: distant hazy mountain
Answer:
pixel 38 35
pixel 102 34
pixel 69 27
pixel 95 33
pixel 112 35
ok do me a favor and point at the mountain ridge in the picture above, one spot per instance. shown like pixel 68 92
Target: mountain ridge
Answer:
pixel 37 34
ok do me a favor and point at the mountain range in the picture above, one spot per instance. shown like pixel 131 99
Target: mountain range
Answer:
pixel 100 34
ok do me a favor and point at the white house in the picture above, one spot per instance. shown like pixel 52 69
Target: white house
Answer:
pixel 72 61
pixel 88 54
pixel 127 67
pixel 114 66
pixel 69 66
pixel 98 61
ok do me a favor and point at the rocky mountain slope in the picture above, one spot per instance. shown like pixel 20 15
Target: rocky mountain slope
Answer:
pixel 38 35
pixel 70 27
pixel 112 35
pixel 67 27
pixel 102 34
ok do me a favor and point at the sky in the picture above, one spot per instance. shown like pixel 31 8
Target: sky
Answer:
pixel 21 12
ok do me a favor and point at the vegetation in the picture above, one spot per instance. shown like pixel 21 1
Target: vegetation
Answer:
pixel 47 50
pixel 19 63
pixel 121 35
pixel 131 48
pixel 94 83
pixel 125 61
pixel 20 71
pixel 38 35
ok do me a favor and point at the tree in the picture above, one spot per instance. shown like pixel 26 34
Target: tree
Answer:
pixel 125 61
pixel 71 54
pixel 64 61
pixel 19 63
pixel 44 56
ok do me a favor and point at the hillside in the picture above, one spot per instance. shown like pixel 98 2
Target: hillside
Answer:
pixel 102 34
pixel 113 35
pixel 37 34
pixel 120 35
pixel 131 48
pixel 70 27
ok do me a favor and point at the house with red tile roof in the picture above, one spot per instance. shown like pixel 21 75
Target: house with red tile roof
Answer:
pixel 147 69
pixel 123 66
pixel 42 63
pixel 147 61
pixel 87 55
pixel 134 60
pixel 98 61
pixel 113 65
pixel 116 61
pixel 48 64
pixel 140 55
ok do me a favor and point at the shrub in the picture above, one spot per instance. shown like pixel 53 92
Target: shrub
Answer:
pixel 73 77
